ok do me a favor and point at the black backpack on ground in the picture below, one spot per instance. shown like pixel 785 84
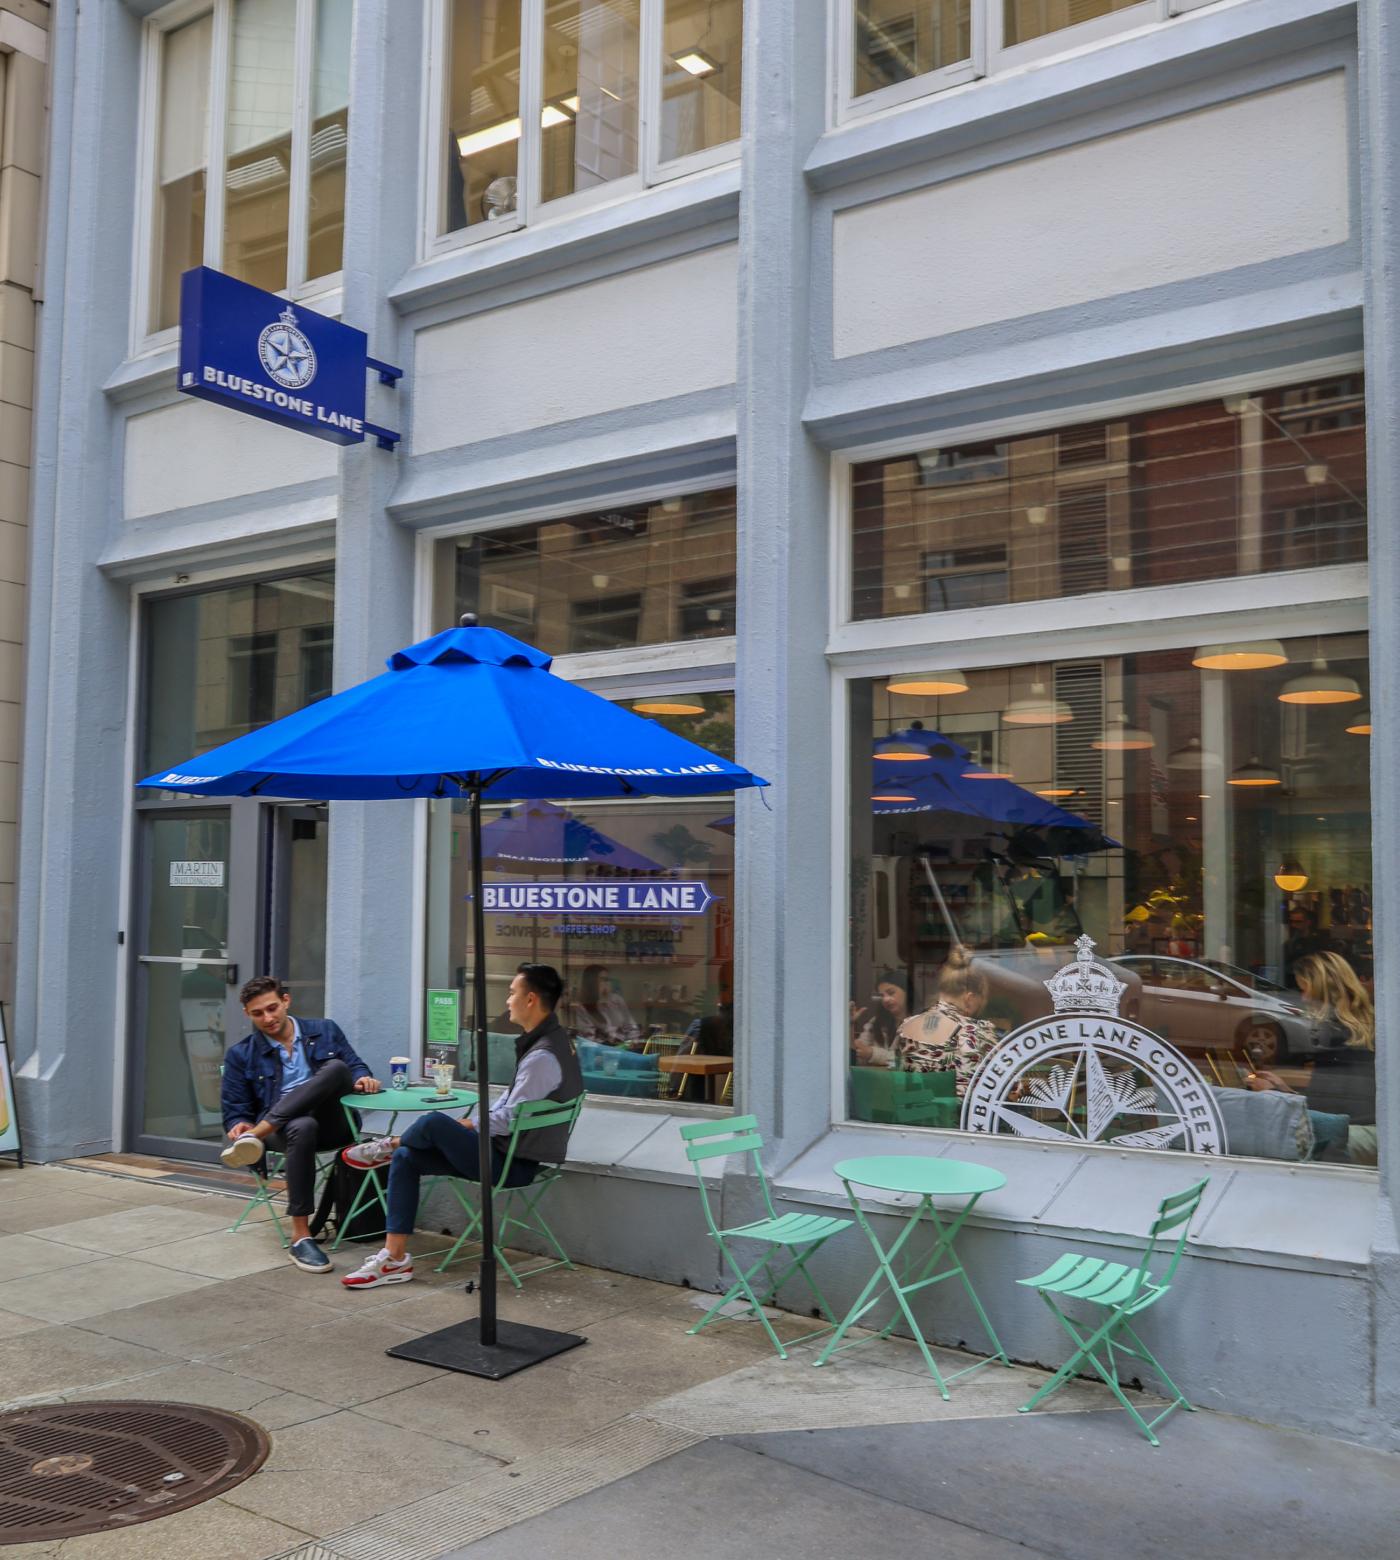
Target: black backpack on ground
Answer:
pixel 338 1197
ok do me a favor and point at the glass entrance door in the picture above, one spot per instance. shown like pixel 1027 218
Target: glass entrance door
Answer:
pixel 186 968
pixel 229 892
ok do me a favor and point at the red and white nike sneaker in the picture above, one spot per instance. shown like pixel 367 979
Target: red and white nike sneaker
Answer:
pixel 369 1154
pixel 380 1269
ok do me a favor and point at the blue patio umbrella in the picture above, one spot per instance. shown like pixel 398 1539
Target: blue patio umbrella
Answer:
pixel 541 834
pixel 470 713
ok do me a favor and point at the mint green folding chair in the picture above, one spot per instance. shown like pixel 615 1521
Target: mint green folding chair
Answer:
pixel 273 1164
pixel 1122 1293
pixel 517 1207
pixel 798 1236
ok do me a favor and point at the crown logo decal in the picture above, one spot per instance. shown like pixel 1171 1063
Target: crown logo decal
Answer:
pixel 288 316
pixel 1086 986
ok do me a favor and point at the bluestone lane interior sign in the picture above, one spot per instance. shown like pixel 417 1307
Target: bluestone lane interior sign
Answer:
pixel 254 351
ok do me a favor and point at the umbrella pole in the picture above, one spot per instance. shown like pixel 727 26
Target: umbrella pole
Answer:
pixel 483 1075
pixel 481 1346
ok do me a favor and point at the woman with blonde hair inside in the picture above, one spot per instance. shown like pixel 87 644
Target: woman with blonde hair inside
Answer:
pixel 950 1036
pixel 1342 1081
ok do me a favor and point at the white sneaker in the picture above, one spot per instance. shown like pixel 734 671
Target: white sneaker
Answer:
pixel 372 1152
pixel 245 1150
pixel 379 1269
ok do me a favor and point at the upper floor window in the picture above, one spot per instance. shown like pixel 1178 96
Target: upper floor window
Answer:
pixel 259 91
pixel 550 104
pixel 897 49
pixel 1239 485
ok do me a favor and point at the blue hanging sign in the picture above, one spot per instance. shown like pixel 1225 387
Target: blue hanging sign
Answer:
pixel 620 898
pixel 258 353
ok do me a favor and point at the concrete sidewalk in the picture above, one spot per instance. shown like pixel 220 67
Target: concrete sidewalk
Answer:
pixel 643 1441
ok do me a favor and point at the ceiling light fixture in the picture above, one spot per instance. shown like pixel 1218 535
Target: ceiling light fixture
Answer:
pixel 1290 877
pixel 1316 475
pixel 1191 756
pixel 675 705
pixel 558 112
pixel 929 684
pixel 1254 774
pixel 475 141
pixel 987 774
pixel 892 751
pixel 1119 737
pixel 1320 686
pixel 1360 724
pixel 1037 514
pixel 1056 790
pixel 893 796
pixel 1038 709
pixel 695 62
pixel 1247 656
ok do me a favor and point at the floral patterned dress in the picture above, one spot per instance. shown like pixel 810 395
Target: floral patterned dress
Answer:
pixel 944 1039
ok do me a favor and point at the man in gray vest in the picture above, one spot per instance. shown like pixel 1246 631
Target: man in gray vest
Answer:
pixel 546 1068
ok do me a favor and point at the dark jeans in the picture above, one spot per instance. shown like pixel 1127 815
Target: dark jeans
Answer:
pixel 437 1145
pixel 309 1118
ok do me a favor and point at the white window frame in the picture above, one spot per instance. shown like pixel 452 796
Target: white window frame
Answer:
pixel 989 54
pixel 167 20
pixel 530 210
pixel 1289 604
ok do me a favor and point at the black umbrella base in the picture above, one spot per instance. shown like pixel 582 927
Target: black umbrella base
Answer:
pixel 460 1348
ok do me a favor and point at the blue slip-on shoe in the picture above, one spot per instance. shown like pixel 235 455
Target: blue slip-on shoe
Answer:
pixel 309 1256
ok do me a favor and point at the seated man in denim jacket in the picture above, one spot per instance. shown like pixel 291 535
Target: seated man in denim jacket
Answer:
pixel 282 1088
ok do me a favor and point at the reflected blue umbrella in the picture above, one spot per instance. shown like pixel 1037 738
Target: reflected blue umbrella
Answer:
pixel 541 834
pixel 945 780
pixel 469 713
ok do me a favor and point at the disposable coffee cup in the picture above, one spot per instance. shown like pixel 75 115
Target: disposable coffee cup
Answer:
pixel 398 1072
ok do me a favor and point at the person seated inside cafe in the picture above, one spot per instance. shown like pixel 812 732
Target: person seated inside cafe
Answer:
pixel 874 1028
pixel 950 1036
pixel 1342 1078
pixel 600 1012
pixel 546 1068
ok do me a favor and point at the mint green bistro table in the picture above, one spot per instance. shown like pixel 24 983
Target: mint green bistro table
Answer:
pixel 924 1178
pixel 393 1101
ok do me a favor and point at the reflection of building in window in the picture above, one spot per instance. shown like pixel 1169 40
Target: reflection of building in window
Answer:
pixel 252 679
pixel 1239 485
pixel 317 655
pixel 610 623
pixel 965 577
pixel 707 607
pixel 896 41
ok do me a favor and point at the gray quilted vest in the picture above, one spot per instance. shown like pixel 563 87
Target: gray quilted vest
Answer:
pixel 551 1144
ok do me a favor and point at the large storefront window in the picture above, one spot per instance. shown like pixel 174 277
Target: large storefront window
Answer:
pixel 1248 484
pixel 1202 817
pixel 641 575
pixel 640 989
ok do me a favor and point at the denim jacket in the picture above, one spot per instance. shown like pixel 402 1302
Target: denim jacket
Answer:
pixel 253 1067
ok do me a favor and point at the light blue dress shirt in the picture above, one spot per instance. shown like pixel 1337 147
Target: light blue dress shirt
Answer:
pixel 296 1065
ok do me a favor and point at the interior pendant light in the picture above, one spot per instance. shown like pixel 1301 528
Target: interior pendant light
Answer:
pixel 1360 724
pixel 675 705
pixel 1119 737
pixel 1039 709
pixel 1254 774
pixel 892 751
pixel 1056 790
pixel 929 684
pixel 885 795
pixel 1290 877
pixel 1247 655
pixel 1321 685
pixel 987 774
pixel 1191 756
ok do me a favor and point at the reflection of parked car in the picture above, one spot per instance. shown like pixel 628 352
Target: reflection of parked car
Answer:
pixel 1199 1004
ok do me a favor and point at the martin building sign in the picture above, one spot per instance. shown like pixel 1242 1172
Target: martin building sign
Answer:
pixel 1089 1076
pixel 253 351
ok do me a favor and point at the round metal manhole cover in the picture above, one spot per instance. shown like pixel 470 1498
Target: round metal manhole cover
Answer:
pixel 70 1468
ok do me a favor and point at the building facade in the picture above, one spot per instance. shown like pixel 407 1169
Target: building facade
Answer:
pixel 979 417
